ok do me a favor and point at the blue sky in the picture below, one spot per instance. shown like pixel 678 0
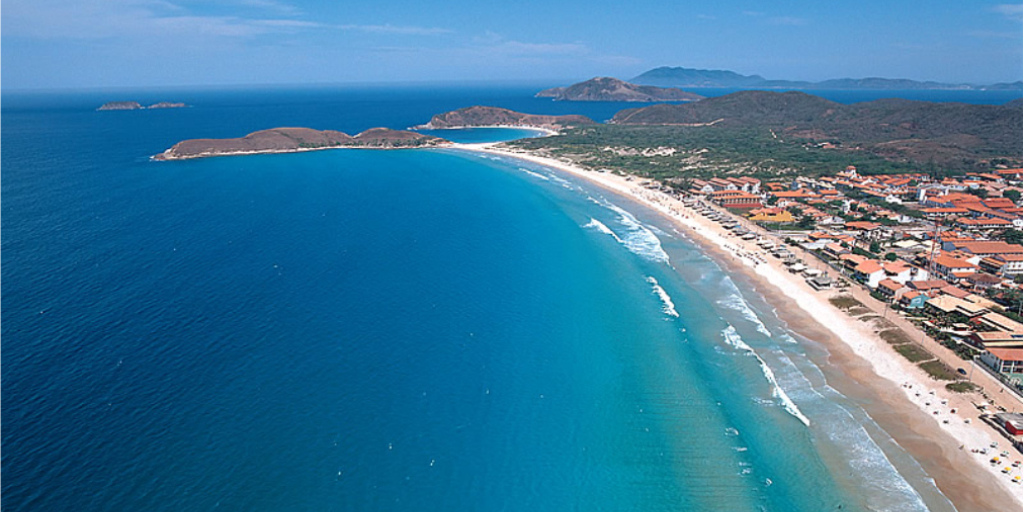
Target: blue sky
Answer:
pixel 130 43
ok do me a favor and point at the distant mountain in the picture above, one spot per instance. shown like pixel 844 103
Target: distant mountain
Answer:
pixel 692 78
pixel 896 129
pixel 494 116
pixel 613 89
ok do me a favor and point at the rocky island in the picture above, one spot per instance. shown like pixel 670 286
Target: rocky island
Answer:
pixel 121 105
pixel 134 105
pixel 167 104
pixel 613 89
pixel 290 140
pixel 479 116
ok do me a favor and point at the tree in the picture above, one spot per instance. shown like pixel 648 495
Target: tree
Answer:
pixel 890 256
pixel 875 247
pixel 1012 195
pixel 1011 236
pixel 980 192
pixel 772 200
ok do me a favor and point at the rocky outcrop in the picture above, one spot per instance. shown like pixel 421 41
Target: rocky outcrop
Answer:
pixel 493 116
pixel 287 140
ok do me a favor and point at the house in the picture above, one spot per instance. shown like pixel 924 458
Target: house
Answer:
pixel 898 271
pixel 834 250
pixel 1004 360
pixel 912 300
pixel 890 289
pixel 927 287
pixel 869 272
pixel 947 266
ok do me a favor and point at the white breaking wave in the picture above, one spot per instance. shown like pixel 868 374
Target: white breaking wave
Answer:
pixel 598 225
pixel 733 339
pixel 535 174
pixel 667 305
pixel 640 240
pixel 736 302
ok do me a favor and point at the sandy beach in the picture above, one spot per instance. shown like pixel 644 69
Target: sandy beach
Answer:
pixel 912 408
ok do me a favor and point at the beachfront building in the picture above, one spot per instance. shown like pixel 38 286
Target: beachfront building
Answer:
pixel 985 340
pixel 773 215
pixel 736 199
pixel 890 289
pixel 1004 360
pixel 913 299
pixel 869 272
pixel 948 304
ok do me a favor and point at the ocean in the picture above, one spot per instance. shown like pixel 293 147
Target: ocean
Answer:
pixel 398 330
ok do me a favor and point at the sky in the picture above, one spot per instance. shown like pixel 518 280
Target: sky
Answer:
pixel 70 44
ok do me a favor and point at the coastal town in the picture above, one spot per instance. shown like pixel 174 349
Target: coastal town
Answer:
pixel 944 253
pixel 919 276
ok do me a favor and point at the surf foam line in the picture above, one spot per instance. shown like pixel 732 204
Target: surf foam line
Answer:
pixel 640 240
pixel 668 307
pixel 733 339
pixel 598 225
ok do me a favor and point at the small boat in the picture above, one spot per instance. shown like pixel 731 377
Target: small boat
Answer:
pixel 995 460
pixel 994 445
pixel 1006 470
pixel 1016 479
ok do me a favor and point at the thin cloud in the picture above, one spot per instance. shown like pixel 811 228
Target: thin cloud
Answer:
pixel 787 20
pixel 273 5
pixel 397 29
pixel 1014 12
pixel 991 34
pixel 753 13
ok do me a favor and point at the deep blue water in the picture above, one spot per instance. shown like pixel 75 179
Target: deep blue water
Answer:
pixel 400 330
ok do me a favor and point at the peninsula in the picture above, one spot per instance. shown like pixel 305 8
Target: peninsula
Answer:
pixel 289 140
pixel 613 89
pixel 479 116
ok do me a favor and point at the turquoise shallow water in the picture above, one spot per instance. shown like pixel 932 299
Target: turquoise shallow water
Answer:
pixel 399 330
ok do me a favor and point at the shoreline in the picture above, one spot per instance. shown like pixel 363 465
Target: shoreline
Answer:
pixel 941 449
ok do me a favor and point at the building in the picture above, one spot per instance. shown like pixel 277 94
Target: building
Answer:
pixel 997 322
pixel 1004 360
pixel 948 304
pixel 1006 265
pixel 949 267
pixel 913 300
pixel 890 289
pixel 995 339
pixel 1013 422
pixel 869 272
